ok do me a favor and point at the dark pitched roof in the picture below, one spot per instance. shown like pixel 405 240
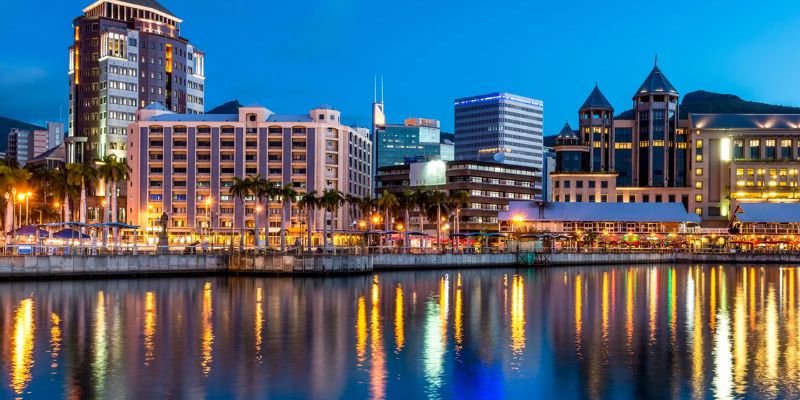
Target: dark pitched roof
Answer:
pixel 597 100
pixel 599 212
pixel 656 82
pixel 768 212
pixel 150 4
pixel 745 121
pixel 567 132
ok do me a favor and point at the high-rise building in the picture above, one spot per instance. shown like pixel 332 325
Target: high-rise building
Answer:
pixel 127 54
pixel 417 139
pixel 26 144
pixel 500 127
pixel 185 164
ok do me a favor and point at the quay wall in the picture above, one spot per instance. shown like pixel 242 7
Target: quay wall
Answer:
pixel 99 265
pixel 51 266
pixel 432 261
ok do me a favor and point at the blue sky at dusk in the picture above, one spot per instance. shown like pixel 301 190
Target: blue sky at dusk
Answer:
pixel 292 55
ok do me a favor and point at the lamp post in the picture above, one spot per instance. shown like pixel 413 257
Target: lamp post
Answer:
pixel 20 197
pixel 208 213
pixel 27 212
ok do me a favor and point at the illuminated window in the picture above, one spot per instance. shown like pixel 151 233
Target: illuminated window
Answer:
pixel 698 211
pixel 698 171
pixel 698 185
pixel 698 198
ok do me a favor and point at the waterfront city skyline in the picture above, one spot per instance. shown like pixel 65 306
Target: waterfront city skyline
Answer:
pixel 425 69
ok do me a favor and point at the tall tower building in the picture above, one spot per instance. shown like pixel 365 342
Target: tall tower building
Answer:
pixel 500 127
pixel 658 151
pixel 596 119
pixel 378 124
pixel 126 55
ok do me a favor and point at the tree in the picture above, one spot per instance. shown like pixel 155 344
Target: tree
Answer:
pixel 81 174
pixel 12 177
pixel 62 188
pixel 353 205
pixel 112 170
pixel 287 196
pixel 262 189
pixel 437 201
pixel 387 202
pixel 365 207
pixel 406 203
pixel 331 200
pixel 421 201
pixel 240 189
pixel 40 178
pixel 308 203
pixel 457 200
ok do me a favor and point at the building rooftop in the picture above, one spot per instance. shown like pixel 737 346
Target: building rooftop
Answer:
pixel 567 133
pixel 57 153
pixel 596 99
pixel 656 83
pixel 171 117
pixel 768 212
pixel 744 121
pixel 290 118
pixel 149 4
pixel 599 212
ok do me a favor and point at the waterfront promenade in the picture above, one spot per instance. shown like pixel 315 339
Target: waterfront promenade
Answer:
pixel 51 266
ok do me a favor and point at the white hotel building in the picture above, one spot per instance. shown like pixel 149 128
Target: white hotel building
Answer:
pixel 184 164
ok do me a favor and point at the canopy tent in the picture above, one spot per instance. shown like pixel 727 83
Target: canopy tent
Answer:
pixel 417 234
pixel 70 234
pixel 608 239
pixel 31 230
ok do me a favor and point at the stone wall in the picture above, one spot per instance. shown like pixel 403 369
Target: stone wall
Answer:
pixel 43 266
pixel 416 261
pixel 300 264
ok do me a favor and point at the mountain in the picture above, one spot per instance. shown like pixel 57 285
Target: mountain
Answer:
pixel 5 127
pixel 231 107
pixel 703 102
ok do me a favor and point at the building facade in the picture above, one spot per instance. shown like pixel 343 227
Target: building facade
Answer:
pixel 127 54
pixel 27 144
pixel 710 163
pixel 490 186
pixel 743 158
pixel 184 165
pixel 418 139
pixel 500 127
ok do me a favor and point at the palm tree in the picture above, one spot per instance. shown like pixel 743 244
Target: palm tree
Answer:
pixel 308 203
pixel 62 188
pixel 365 208
pixel 438 200
pixel 240 189
pixel 12 177
pixel 41 177
pixel 458 199
pixel 81 174
pixel 331 200
pixel 387 202
pixel 112 170
pixel 261 189
pixel 287 196
pixel 353 205
pixel 421 201
pixel 406 203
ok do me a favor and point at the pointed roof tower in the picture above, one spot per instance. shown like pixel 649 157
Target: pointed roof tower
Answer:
pixel 566 135
pixel 656 83
pixel 596 100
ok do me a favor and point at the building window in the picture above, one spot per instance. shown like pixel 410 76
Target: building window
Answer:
pixel 698 185
pixel 604 185
pixel 770 148
pixel 738 149
pixel 698 171
pixel 698 198
pixel 755 149
pixel 698 211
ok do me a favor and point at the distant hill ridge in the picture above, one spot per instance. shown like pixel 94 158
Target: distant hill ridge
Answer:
pixel 704 102
pixel 231 107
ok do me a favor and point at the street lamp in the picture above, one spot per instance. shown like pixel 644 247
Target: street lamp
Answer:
pixel 27 212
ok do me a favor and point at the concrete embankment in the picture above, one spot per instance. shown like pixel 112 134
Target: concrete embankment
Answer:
pixel 81 266
pixel 387 262
pixel 52 266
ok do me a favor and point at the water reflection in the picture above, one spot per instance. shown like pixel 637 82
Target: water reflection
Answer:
pixel 22 342
pixel 595 332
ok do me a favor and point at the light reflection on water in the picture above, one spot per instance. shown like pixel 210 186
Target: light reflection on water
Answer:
pixel 629 332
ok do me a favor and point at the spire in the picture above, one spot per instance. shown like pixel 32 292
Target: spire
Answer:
pixel 566 133
pixel 656 82
pixel 655 63
pixel 375 88
pixel 596 99
pixel 381 89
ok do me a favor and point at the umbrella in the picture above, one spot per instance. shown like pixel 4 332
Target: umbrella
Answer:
pixel 70 234
pixel 495 234
pixel 418 234
pixel 31 230
pixel 609 239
